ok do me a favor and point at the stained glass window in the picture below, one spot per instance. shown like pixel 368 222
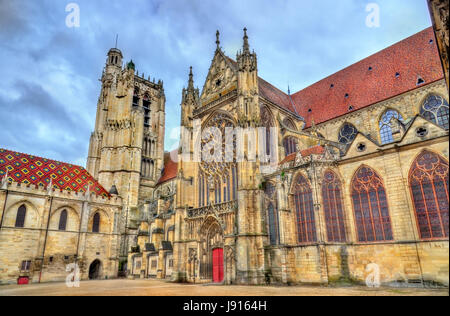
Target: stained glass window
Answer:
pixel 373 222
pixel 435 109
pixel 347 133
pixel 20 219
pixel 219 173
pixel 290 145
pixel 63 220
pixel 96 223
pixel 304 206
pixel 332 203
pixel 428 180
pixel 385 126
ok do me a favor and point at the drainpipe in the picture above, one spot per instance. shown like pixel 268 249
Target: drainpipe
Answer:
pixel 46 235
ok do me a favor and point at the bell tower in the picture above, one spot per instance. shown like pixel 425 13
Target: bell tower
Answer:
pixel 126 149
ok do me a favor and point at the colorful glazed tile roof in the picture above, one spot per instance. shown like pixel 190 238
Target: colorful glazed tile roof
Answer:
pixel 32 170
pixel 386 74
pixel 170 170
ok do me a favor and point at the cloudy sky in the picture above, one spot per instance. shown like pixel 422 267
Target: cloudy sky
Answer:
pixel 49 73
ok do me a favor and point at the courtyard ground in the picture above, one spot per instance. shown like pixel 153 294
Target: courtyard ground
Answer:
pixel 124 287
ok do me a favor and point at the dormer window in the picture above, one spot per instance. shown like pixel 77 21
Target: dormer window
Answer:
pixel 420 81
pixel 397 75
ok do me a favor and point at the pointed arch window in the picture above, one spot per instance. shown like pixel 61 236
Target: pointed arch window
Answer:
pixel 386 125
pixel 63 221
pixel 373 222
pixel 289 124
pixel 96 223
pixel 136 97
pixel 429 182
pixel 20 218
pixel 304 207
pixel 201 191
pixel 435 109
pixel 272 214
pixel 333 208
pixel 347 134
pixel 290 145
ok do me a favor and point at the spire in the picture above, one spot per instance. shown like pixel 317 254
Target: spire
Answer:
pixel 191 80
pixel 218 39
pixel 246 45
pixel 246 60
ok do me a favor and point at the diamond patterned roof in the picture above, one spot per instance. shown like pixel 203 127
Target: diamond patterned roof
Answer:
pixel 32 170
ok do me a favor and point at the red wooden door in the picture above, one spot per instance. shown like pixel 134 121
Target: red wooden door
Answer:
pixel 218 265
pixel 22 280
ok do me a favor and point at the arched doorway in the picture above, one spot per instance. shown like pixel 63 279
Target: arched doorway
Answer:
pixel 212 259
pixel 95 270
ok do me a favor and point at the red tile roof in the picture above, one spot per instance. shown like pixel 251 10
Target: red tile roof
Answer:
pixel 170 169
pixel 288 158
pixel 275 95
pixel 32 170
pixel 410 58
pixel 316 150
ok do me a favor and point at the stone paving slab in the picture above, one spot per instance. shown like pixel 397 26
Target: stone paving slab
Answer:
pixel 162 288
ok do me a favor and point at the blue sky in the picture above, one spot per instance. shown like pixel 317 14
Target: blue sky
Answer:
pixel 49 85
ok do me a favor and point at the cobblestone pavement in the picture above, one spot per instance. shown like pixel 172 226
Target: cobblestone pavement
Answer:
pixel 162 288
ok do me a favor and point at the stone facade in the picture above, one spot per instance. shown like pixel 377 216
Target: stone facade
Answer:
pixel 41 251
pixel 439 11
pixel 127 146
pixel 361 194
pixel 257 235
pixel 152 253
